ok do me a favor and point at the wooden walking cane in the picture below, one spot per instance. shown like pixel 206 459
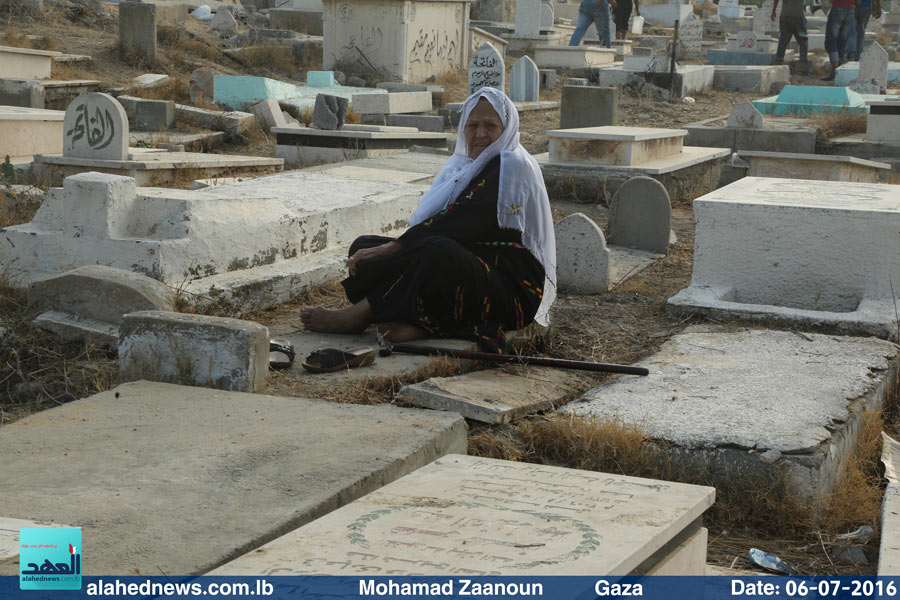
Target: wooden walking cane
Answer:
pixel 387 348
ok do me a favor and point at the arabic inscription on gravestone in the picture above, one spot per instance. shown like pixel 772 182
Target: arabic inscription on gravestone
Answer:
pixel 95 126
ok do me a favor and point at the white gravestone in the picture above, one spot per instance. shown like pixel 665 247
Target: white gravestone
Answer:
pixel 95 126
pixel 582 256
pixel 486 69
pixel 746 41
pixel 640 216
pixel 729 9
pixel 528 18
pixel 873 71
pixel 762 20
pixel 546 15
pixel 690 34
pixel 746 116
pixel 524 81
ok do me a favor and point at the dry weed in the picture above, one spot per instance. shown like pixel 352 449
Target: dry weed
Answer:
pixel 70 71
pixel 182 47
pixel 455 84
pixel 175 89
pixel 271 57
pixel 832 125
pixel 17 207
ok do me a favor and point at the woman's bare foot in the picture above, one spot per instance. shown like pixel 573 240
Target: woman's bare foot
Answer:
pixel 395 331
pixel 352 319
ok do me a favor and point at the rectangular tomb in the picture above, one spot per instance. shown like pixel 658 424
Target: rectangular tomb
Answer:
pixel 305 146
pixel 464 515
pixel 883 121
pixel 554 57
pixel 179 480
pixel 823 167
pixel 25 132
pixel 811 252
pixel 25 63
pixel 613 145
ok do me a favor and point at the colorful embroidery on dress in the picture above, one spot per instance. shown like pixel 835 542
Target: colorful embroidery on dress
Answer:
pixel 532 288
pixel 520 314
pixel 487 269
pixel 485 308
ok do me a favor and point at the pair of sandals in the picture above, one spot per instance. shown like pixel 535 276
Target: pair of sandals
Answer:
pixel 325 360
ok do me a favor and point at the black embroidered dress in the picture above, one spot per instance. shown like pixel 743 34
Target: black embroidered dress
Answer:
pixel 458 274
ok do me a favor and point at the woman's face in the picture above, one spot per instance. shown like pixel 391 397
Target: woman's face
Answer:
pixel 482 128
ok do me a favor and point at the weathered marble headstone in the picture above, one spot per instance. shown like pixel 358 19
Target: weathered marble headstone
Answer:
pixel 95 126
pixel 203 85
pixel 137 28
pixel 528 18
pixel 329 112
pixel 546 15
pixel 690 34
pixel 640 216
pixel 524 81
pixel 873 71
pixel 745 115
pixel 762 20
pixel 746 41
pixel 582 265
pixel 479 516
pixel 223 21
pixel 486 69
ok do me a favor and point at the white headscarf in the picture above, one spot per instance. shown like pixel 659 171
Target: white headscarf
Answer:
pixel 522 202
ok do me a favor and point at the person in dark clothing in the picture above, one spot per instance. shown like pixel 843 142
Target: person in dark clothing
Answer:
pixel 792 23
pixel 480 256
pixel 622 13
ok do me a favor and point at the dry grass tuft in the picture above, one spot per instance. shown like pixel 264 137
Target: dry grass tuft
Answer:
pixel 70 71
pixel 175 89
pixel 455 84
pixel 832 125
pixel 17 208
pixel 274 58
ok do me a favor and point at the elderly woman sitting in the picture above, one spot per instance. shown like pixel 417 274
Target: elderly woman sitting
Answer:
pixel 479 257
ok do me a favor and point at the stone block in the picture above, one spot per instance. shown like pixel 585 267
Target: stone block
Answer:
pixel 29 131
pixel 320 79
pixel 25 63
pixel 97 296
pixel 154 115
pixel 223 21
pixel 24 93
pixel 803 277
pixel 269 114
pixel 548 78
pixel 304 21
pixel 329 112
pixel 396 103
pixel 776 140
pixel 552 57
pixel 196 350
pixel 582 256
pixel 813 166
pixel 585 106
pixel 96 127
pixel 229 122
pixel 710 137
pixel 203 85
pixel 883 122
pixel 436 124
pixel 199 476
pixel 560 533
pixel 437 91
pixel 137 28
pixel 640 216
pixel 745 115
pixel 628 146
pixel 666 14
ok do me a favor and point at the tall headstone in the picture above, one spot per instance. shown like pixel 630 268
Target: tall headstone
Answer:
pixel 640 216
pixel 486 69
pixel 588 106
pixel 746 41
pixel 95 126
pixel 873 71
pixel 528 18
pixel 690 34
pixel 137 28
pixel 223 21
pixel 582 256
pixel 524 81
pixel 546 15
pixel 745 116
pixel 762 20
pixel 329 112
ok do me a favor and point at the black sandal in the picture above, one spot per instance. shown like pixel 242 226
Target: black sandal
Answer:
pixel 329 360
pixel 281 354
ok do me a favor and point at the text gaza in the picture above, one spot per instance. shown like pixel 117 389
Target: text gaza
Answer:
pixel 605 588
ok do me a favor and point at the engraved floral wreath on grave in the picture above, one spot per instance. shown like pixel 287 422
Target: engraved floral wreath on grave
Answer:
pixel 590 539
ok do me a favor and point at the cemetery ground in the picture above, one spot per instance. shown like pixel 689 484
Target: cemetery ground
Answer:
pixel 622 326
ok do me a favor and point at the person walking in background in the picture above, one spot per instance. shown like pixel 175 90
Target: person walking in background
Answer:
pixel 864 10
pixel 840 34
pixel 792 23
pixel 622 12
pixel 597 12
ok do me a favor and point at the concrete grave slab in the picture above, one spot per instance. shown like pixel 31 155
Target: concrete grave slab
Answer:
pixel 665 14
pixel 813 166
pixel 747 116
pixel 552 531
pixel 197 350
pixel 154 115
pixel 555 57
pixel 432 123
pixel 25 63
pixel 303 146
pixel 269 114
pixel 392 103
pixel 849 72
pixel 486 69
pixel 493 396
pixel 640 216
pixel 22 92
pixel 749 78
pixel 582 256
pixel 29 131
pixel 812 100
pixel 288 460
pixel 528 18
pixel 622 47
pixel 612 145
pixel 883 122
pixel 94 294
pixel 95 127
pixel 719 57
pixel 803 277
pixel 750 425
pixel 524 81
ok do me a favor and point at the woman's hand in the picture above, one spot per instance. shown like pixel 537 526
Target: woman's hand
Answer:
pixel 370 253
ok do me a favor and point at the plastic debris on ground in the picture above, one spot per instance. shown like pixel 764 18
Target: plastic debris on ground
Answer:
pixel 770 562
